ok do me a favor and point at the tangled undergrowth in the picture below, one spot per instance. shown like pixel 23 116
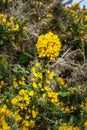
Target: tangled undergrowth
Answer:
pixel 43 65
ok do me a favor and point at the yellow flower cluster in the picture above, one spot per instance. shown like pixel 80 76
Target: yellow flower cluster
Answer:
pixel 17 116
pixel 76 6
pixel 52 96
pixel 61 83
pixel 48 6
pixel 50 74
pixel 10 24
pixel 37 74
pixel 44 88
pixel 4 125
pixel 22 100
pixel 74 14
pixel 49 15
pixel 8 1
pixel 4 111
pixel 4 114
pixel 27 125
pixel 3 59
pixel 2 83
pixel 17 83
pixel 64 126
pixel 48 45
pixel 85 124
pixel 68 109
pixel 84 105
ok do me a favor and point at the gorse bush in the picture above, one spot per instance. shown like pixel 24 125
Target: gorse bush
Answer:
pixel 12 31
pixel 34 104
pixel 34 94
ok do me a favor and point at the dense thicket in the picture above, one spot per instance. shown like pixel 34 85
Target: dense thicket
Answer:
pixel 43 65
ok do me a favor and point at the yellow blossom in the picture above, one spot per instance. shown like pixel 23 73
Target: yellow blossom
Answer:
pixel 25 123
pixel 48 45
pixel 1 15
pixel 24 28
pixel 5 125
pixel 64 126
pixel 49 15
pixel 40 84
pixel 10 0
pixel 4 20
pixel 12 18
pixel 73 108
pixel 34 113
pixel 47 82
pixel 15 84
pixel 9 24
pixel 14 101
pixel 76 6
pixel 61 82
pixel 32 124
pixel 34 85
pixel 17 116
pixel 51 75
pixel 24 128
pixel 22 92
pixel 39 18
pixel 27 116
pixel 37 64
pixel 3 59
pixel 2 83
pixel 31 93
pixel 16 27
pixel 21 82
pixel 44 95
pixel 67 109
pixel 40 4
pixel 3 109
pixel 4 1
pixel 85 124
pixel 15 79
